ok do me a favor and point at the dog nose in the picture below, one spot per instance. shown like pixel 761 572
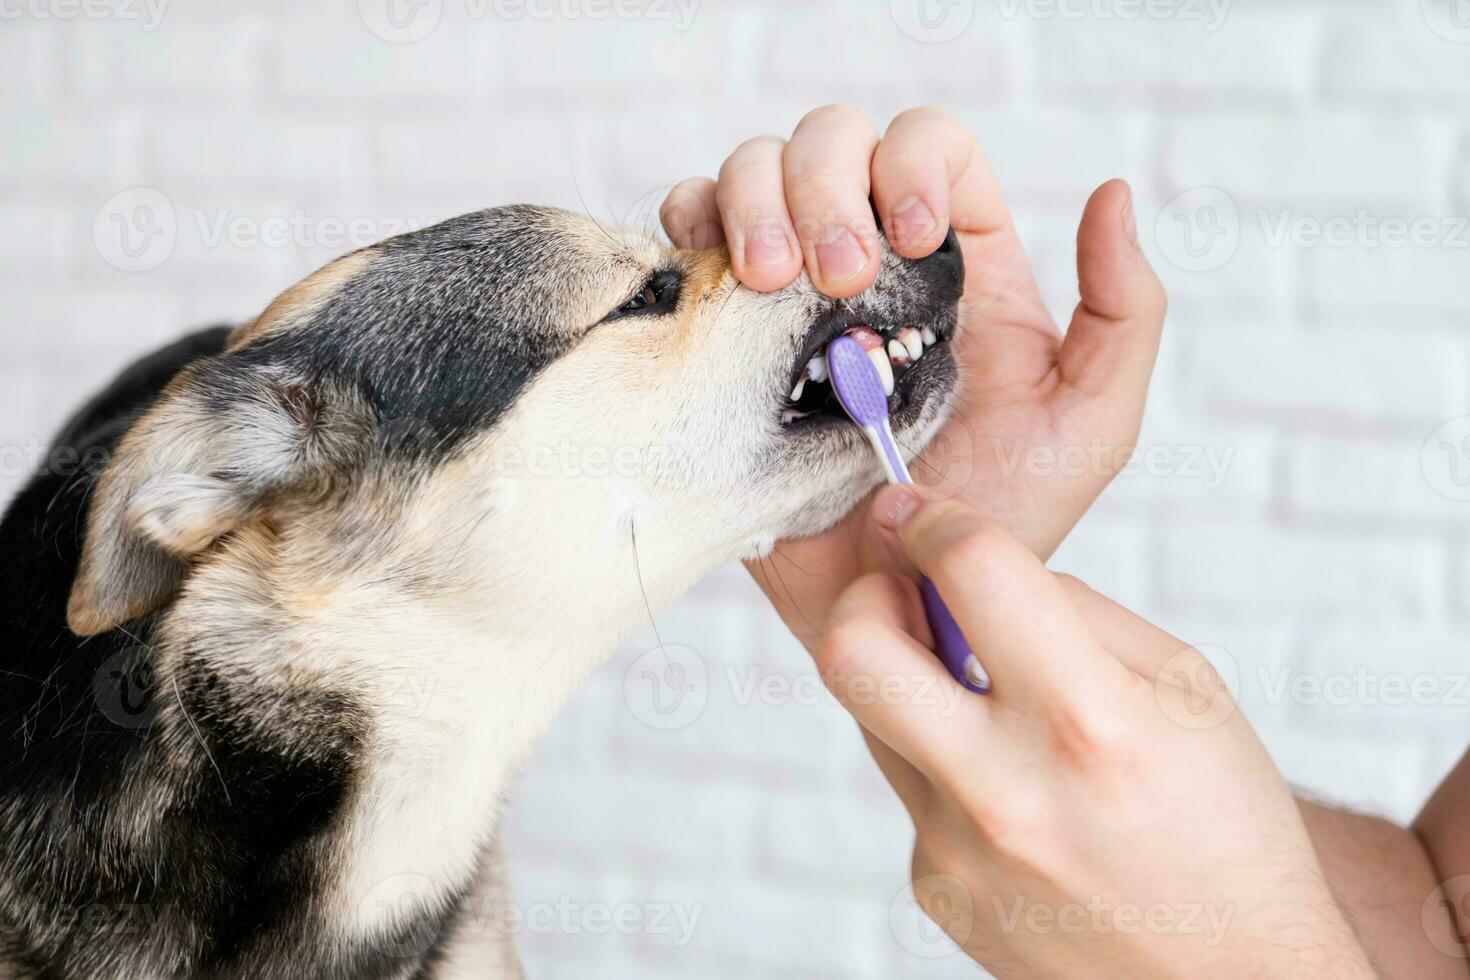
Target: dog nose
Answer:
pixel 944 268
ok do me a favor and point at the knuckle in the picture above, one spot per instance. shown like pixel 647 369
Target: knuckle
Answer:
pixel 835 113
pixel 762 145
pixel 840 651
pixel 1092 738
pixel 923 114
pixel 979 553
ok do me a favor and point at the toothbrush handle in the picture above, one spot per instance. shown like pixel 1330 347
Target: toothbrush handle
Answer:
pixel 950 643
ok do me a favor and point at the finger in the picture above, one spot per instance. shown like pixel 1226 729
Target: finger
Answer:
pixel 751 201
pixel 827 167
pixel 1151 653
pixel 1138 644
pixel 928 154
pixel 1015 614
pixel 690 216
pixel 892 684
pixel 913 788
pixel 1113 341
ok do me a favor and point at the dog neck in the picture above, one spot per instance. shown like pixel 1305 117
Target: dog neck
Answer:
pixel 458 621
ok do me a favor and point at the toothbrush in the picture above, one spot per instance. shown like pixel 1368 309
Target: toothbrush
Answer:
pixel 860 392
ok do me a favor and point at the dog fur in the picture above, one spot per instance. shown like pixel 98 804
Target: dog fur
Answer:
pixel 407 468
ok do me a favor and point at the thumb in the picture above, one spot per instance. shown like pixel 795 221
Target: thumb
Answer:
pixel 1113 341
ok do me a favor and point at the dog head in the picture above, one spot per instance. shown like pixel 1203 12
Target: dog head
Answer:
pixel 520 385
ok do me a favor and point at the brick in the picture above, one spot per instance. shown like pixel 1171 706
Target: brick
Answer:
pixel 1415 285
pixel 1404 679
pixel 1191 57
pixel 29 49
pixel 187 61
pixel 256 148
pixel 1309 159
pixel 835 838
pixel 1365 379
pixel 1112 557
pixel 60 146
pixel 1382 57
pixel 1264 571
pixel 1371 479
pixel 1369 773
pixel 448 65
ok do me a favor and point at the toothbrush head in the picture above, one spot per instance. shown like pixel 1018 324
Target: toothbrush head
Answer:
pixel 856 383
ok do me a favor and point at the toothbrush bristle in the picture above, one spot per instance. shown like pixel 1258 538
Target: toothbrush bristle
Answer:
pixel 856 382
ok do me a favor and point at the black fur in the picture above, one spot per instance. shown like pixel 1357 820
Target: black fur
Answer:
pixel 127 844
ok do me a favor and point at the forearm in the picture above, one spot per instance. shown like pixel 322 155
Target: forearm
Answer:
pixel 1444 826
pixel 1382 875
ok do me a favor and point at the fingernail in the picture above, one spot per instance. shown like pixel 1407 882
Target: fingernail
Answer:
pixel 1130 220
pixel 766 244
pixel 894 506
pixel 839 256
pixel 912 222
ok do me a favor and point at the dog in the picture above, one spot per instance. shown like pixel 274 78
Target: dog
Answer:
pixel 478 456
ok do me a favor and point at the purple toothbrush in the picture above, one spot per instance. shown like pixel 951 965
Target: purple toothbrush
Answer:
pixel 860 392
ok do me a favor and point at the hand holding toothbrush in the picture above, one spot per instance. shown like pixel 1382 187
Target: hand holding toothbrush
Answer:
pixel 784 205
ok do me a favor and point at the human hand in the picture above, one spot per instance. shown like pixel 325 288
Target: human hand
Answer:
pixel 1105 811
pixel 784 206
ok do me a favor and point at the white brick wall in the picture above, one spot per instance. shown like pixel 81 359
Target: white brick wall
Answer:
pixel 1328 545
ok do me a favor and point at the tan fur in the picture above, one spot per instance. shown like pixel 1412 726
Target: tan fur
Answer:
pixel 296 304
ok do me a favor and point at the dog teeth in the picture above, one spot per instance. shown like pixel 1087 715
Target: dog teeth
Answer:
pixel 816 368
pixel 929 337
pixel 912 341
pixel 880 361
pixel 791 415
pixel 898 353
pixel 800 387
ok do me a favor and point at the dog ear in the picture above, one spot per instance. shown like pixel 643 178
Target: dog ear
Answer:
pixel 207 459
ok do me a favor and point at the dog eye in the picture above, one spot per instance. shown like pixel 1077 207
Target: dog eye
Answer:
pixel 658 295
pixel 648 297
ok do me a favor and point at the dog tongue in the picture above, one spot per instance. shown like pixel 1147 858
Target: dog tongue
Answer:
pixel 866 337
